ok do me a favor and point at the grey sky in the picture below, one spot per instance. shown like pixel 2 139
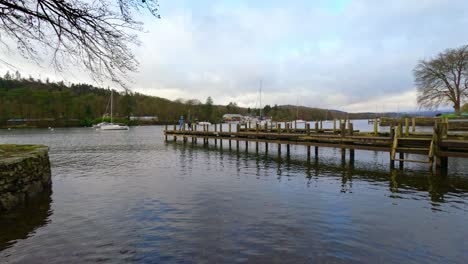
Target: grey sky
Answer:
pixel 347 55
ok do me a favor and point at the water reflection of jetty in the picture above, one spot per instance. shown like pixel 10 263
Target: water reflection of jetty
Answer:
pixel 399 181
pixel 21 222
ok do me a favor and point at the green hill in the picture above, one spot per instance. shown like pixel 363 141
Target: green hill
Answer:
pixel 44 103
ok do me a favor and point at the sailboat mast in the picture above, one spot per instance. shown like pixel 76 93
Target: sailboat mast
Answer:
pixel 112 102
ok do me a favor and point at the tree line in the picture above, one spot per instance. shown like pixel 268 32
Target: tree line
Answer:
pixel 84 104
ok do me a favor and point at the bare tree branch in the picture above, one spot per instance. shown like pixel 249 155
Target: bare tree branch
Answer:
pixel 96 34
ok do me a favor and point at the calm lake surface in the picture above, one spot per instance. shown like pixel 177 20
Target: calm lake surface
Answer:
pixel 128 196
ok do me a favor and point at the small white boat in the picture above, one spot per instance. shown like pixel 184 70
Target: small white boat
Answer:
pixel 204 123
pixel 111 126
pixel 101 124
pixel 299 121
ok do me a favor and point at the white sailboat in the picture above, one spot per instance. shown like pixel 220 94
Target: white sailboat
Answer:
pixel 111 125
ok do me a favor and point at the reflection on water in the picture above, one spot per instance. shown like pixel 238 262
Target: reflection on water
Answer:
pixel 131 197
pixel 22 222
pixel 436 184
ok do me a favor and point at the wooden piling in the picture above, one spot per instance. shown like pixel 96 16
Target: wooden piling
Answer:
pixel 316 127
pixel 376 127
pixel 413 124
pixel 221 131
pixel 334 125
pixel 406 127
pixel 175 128
pixel 237 140
pixel 230 131
pixel 256 142
pixel 215 130
pixel 195 129
pixel 401 157
pixel 439 131
pixel 165 134
pixel 308 129
pixel 392 138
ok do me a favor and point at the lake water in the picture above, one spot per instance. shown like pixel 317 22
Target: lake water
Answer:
pixel 128 196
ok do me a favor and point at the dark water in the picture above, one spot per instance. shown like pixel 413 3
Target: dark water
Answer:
pixel 130 197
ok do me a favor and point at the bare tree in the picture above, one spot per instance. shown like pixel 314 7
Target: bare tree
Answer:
pixel 97 34
pixel 443 79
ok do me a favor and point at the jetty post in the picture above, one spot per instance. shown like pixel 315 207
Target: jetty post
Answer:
pixel 165 134
pixel 440 131
pixel 351 151
pixel 237 139
pixel 256 132
pixel 413 124
pixel 221 139
pixel 376 127
pixel 215 130
pixel 278 126
pixel 230 131
pixel 175 128
pixel 406 127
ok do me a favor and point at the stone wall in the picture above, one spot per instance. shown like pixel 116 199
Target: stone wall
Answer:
pixel 24 173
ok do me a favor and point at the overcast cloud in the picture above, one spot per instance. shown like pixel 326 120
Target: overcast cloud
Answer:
pixel 341 54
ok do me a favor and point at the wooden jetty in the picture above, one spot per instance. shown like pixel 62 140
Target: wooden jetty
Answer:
pixel 436 147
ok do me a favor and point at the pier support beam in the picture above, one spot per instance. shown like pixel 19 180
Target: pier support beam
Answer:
pixel 401 156
pixel 406 127
pixel 376 127
pixel 175 128
pixel 440 132
pixel 215 130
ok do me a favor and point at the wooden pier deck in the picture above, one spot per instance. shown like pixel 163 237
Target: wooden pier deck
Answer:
pixel 435 147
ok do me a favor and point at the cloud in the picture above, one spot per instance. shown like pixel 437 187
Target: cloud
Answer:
pixel 341 54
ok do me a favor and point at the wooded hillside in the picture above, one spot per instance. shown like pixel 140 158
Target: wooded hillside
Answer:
pixel 84 104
